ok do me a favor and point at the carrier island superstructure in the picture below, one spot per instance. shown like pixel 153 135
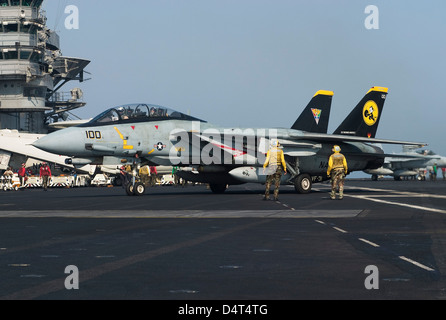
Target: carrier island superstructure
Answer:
pixel 32 74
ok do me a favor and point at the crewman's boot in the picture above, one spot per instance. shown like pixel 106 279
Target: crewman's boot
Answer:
pixel 332 195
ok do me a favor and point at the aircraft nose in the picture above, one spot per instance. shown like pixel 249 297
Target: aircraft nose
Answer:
pixel 59 142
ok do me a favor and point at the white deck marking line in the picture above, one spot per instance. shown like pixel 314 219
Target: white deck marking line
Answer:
pixel 287 206
pixel 56 285
pixel 396 192
pixel 401 195
pixel 416 263
pixel 340 230
pixel 420 265
pixel 369 242
pixel 397 203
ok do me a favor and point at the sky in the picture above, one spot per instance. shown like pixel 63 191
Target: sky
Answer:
pixel 257 63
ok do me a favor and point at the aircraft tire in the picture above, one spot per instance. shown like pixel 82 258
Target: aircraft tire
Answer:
pixel 218 188
pixel 303 183
pixel 129 189
pixel 139 189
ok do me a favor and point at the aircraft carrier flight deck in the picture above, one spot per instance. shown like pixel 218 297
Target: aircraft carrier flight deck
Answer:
pixel 385 240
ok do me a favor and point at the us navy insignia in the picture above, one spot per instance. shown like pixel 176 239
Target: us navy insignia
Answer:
pixel 160 146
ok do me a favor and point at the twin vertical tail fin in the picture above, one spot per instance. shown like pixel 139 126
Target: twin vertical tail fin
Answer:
pixel 364 119
pixel 314 118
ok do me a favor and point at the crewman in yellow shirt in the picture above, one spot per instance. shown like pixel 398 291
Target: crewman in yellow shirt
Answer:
pixel 274 164
pixel 337 169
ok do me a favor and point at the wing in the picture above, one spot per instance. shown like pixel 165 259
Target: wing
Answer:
pixel 295 143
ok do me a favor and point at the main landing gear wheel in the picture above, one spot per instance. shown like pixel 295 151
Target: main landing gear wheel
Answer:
pixel 137 189
pixel 303 183
pixel 129 189
pixel 218 188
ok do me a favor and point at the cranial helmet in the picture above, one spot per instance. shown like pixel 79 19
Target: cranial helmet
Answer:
pixel 275 143
pixel 336 149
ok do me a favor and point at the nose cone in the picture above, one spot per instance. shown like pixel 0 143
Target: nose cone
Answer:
pixel 66 142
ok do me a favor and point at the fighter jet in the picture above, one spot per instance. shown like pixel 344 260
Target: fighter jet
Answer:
pixel 362 122
pixel 139 134
pixel 410 163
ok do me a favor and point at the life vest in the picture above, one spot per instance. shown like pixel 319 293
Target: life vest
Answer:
pixel 338 161
pixel 275 157
pixel 45 171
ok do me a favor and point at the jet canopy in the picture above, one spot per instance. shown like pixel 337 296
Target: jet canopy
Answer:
pixel 138 112
pixel 426 152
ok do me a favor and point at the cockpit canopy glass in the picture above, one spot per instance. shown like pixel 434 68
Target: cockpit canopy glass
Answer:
pixel 139 112
pixel 426 152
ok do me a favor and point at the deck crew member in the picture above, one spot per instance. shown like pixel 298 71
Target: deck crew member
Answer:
pixel 275 161
pixel 337 169
pixel 45 175
pixel 22 175
pixel 144 173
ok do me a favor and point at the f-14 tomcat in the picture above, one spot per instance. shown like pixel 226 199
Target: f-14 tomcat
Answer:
pixel 140 134
pixel 409 163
